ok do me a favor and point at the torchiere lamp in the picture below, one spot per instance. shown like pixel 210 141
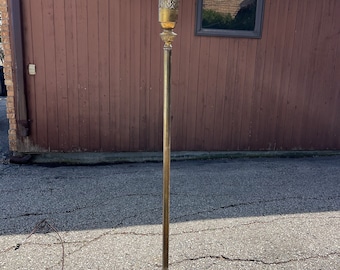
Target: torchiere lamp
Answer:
pixel 168 15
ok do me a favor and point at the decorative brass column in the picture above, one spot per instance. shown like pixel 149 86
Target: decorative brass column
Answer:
pixel 168 14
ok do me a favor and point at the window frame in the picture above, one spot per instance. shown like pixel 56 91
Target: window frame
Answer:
pixel 256 33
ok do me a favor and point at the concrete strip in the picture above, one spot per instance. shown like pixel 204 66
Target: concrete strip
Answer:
pixel 131 157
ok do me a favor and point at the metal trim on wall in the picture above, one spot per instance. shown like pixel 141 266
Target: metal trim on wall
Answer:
pixel 18 68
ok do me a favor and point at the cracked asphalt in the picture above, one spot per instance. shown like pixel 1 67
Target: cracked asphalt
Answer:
pixel 257 213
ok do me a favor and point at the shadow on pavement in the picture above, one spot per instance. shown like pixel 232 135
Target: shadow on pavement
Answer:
pixel 88 198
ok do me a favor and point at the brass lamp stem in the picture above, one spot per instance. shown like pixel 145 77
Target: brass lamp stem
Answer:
pixel 166 155
pixel 167 36
pixel 168 14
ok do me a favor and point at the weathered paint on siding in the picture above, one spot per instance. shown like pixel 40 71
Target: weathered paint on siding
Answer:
pixel 99 78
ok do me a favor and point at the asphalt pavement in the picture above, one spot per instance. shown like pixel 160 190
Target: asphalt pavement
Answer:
pixel 244 213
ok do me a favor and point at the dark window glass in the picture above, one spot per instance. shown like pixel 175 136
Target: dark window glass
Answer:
pixel 235 18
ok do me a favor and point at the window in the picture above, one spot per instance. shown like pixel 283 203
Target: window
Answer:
pixel 230 18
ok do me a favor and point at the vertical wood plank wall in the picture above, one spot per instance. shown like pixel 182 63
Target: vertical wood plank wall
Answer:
pixel 98 85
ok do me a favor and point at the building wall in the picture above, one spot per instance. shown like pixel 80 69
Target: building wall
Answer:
pixel 98 85
pixel 5 35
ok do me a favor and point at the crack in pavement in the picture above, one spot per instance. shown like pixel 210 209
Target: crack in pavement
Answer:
pixel 223 228
pixel 27 189
pixel 5 167
pixel 229 259
pixel 234 205
pixel 86 243
pixel 226 227
pixel 228 194
pixel 7 249
pixel 90 206
pixel 83 244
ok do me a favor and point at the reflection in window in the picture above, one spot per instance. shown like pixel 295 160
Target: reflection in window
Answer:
pixel 229 17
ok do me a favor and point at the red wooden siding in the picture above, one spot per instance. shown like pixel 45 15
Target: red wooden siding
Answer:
pixel 98 85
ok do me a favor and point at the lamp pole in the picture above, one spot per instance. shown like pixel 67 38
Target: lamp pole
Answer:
pixel 168 15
